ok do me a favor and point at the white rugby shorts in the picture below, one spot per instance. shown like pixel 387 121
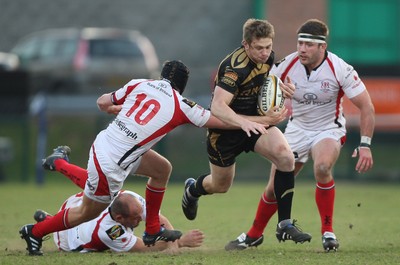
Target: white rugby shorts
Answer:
pixel 301 141
pixel 105 177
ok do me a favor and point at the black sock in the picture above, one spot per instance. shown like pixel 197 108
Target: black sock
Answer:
pixel 197 189
pixel 284 189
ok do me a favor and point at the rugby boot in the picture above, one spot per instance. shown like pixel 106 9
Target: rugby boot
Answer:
pixel 164 235
pixel 287 230
pixel 330 242
pixel 33 243
pixel 61 152
pixel 244 241
pixel 189 203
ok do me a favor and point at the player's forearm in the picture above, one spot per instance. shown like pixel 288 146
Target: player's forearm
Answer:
pixel 272 117
pixel 226 114
pixel 104 102
pixel 214 122
pixel 367 121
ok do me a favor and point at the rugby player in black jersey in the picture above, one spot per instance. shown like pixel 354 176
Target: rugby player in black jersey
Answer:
pixel 239 78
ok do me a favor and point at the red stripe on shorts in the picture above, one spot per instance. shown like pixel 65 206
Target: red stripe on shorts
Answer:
pixel 102 186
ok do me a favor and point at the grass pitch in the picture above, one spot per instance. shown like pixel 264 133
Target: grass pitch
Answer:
pixel 366 223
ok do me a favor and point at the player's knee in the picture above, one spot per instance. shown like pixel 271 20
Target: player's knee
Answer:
pixel 285 162
pixel 163 171
pixel 167 169
pixel 269 192
pixel 322 170
pixel 164 168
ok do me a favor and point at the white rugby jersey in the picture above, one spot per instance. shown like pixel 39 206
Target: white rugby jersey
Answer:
pixel 150 109
pixel 99 234
pixel 317 101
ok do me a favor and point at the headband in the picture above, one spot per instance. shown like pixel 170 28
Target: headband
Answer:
pixel 311 38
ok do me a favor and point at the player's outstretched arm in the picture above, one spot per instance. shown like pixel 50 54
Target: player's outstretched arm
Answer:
pixel 273 116
pixel 220 108
pixel 192 239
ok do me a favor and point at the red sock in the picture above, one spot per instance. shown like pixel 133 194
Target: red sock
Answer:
pixel 325 199
pixel 58 222
pixel 77 174
pixel 154 197
pixel 266 209
pixel 47 217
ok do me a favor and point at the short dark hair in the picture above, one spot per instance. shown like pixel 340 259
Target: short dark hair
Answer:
pixel 177 73
pixel 256 29
pixel 314 27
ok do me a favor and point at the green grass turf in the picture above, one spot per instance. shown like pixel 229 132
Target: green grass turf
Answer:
pixel 366 222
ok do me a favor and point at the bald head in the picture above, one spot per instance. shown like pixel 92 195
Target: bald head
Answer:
pixel 126 205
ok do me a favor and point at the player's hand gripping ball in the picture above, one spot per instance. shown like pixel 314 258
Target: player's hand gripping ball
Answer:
pixel 270 94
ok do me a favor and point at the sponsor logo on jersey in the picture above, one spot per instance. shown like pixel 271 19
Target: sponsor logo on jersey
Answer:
pixel 161 87
pixel 229 78
pixel 189 102
pixel 325 85
pixel 122 126
pixel 115 232
pixel 228 81
pixel 349 70
pixel 357 81
pixel 310 96
pixel 312 99
pixel 231 75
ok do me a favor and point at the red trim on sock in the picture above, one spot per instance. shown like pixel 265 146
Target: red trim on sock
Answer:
pixel 51 225
pixel 65 219
pixel 266 209
pixel 328 185
pixel 154 189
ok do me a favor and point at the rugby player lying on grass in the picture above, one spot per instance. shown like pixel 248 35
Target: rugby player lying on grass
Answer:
pixel 114 228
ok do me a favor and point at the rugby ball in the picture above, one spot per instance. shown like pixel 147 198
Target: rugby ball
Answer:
pixel 270 94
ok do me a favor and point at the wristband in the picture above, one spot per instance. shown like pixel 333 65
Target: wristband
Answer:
pixel 112 98
pixel 364 145
pixel 365 140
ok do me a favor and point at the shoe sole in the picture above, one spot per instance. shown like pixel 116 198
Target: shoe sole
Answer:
pixel 301 241
pixel 329 247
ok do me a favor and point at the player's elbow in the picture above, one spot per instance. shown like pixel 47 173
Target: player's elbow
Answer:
pixel 103 102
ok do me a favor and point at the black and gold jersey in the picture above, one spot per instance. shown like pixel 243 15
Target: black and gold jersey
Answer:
pixel 239 75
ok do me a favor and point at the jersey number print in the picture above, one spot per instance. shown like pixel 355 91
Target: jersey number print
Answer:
pixel 146 111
